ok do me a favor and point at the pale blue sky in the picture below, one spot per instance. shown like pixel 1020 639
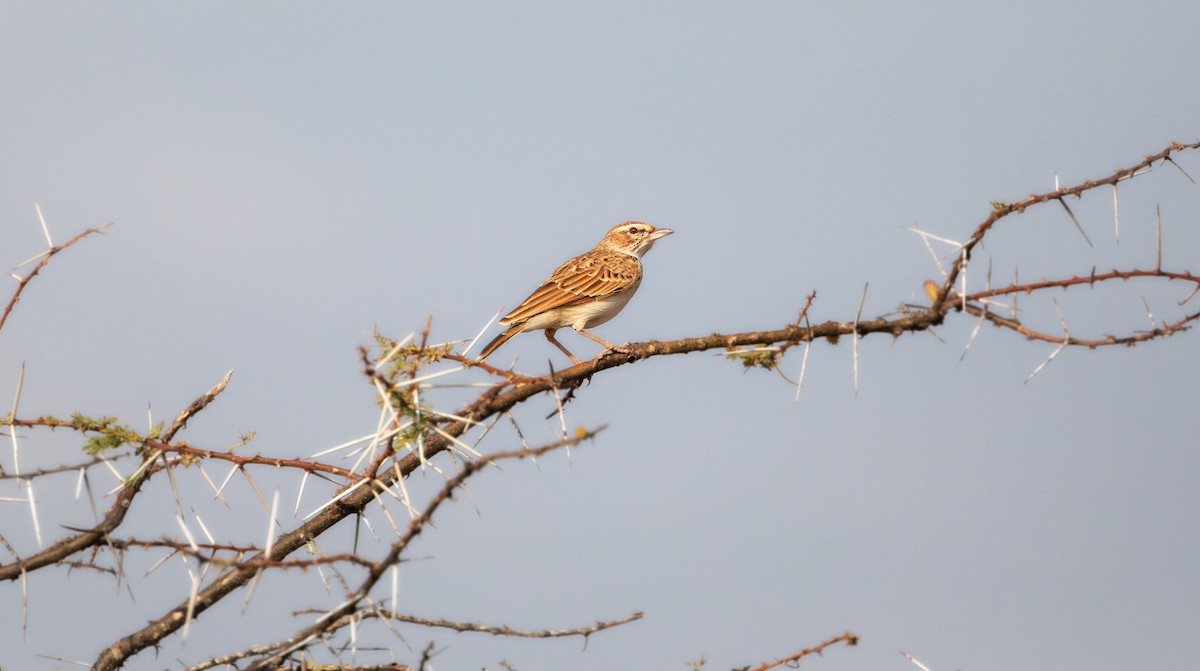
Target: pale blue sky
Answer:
pixel 286 176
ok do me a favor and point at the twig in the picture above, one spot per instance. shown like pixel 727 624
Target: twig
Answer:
pixel 494 630
pixel 46 256
pixel 848 638
pixel 342 612
pixel 195 407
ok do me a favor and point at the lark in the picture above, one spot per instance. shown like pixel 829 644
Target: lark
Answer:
pixel 586 291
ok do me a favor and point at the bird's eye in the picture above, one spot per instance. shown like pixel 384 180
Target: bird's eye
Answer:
pixel 635 231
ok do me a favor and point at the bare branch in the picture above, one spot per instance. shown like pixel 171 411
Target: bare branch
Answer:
pixel 341 614
pixel 45 259
pixel 410 434
pixel 195 407
pixel 492 629
pixel 1002 210
pixel 848 638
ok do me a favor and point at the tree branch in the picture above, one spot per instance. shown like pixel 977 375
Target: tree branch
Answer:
pixel 849 638
pixel 46 256
pixel 438 433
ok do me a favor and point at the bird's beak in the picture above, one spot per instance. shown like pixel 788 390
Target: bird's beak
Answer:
pixel 660 233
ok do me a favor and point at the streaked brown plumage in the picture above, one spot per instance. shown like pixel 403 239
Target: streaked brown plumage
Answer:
pixel 586 291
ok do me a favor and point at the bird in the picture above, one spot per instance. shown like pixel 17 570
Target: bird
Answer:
pixel 587 290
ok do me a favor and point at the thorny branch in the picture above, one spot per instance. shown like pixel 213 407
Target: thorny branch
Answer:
pixel 54 470
pixel 203 552
pixel 188 452
pixel 414 433
pixel 975 305
pixel 497 630
pixel 23 282
pixel 340 615
pixel 848 638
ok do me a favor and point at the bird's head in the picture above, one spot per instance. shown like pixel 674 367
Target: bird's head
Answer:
pixel 633 237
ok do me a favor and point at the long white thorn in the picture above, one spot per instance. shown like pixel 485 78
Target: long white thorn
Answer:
pixel 335 499
pixel 191 607
pixel 931 236
pixel 45 229
pixel 467 450
pixel 862 301
pixel 1066 341
pixel 963 279
pixel 12 425
pixel 211 484
pixel 803 368
pixel 138 473
pixel 37 527
pixel 300 494
pixel 395 586
pixel 204 528
pixel 1116 215
pixel 915 661
pixel 187 533
pixel 562 422
pixel 224 482
pixel 345 445
pixel 418 380
pixel 272 524
pixel 479 335
pixel 404 497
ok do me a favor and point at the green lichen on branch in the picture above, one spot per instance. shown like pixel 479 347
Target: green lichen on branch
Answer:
pixel 110 434
pixel 396 361
pixel 395 366
pixel 757 357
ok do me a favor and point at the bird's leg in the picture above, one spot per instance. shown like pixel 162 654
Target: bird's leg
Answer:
pixel 608 347
pixel 550 337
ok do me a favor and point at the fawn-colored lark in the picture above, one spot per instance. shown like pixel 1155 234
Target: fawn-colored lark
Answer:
pixel 586 291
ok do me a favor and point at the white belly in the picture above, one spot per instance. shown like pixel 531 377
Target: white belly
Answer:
pixel 584 316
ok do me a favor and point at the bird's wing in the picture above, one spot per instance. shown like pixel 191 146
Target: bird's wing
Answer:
pixel 590 277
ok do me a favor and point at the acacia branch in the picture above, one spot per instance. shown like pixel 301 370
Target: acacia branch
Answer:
pixel 115 515
pixel 344 612
pixel 114 656
pixel 440 433
pixel 976 305
pixel 500 398
pixel 46 256
pixel 70 545
pixel 181 448
pixel 53 470
pixel 1005 209
pixel 202 553
pixel 849 638
pixel 384 614
pixel 256 459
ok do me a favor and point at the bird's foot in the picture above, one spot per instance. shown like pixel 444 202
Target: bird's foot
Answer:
pixel 614 349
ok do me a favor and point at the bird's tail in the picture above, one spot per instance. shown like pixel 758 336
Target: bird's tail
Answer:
pixel 500 340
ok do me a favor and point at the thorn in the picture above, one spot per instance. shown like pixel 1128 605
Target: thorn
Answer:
pixel 1170 160
pixel 1077 224
pixel 1158 227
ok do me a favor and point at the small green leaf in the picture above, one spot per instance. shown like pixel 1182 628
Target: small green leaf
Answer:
pixel 102 443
